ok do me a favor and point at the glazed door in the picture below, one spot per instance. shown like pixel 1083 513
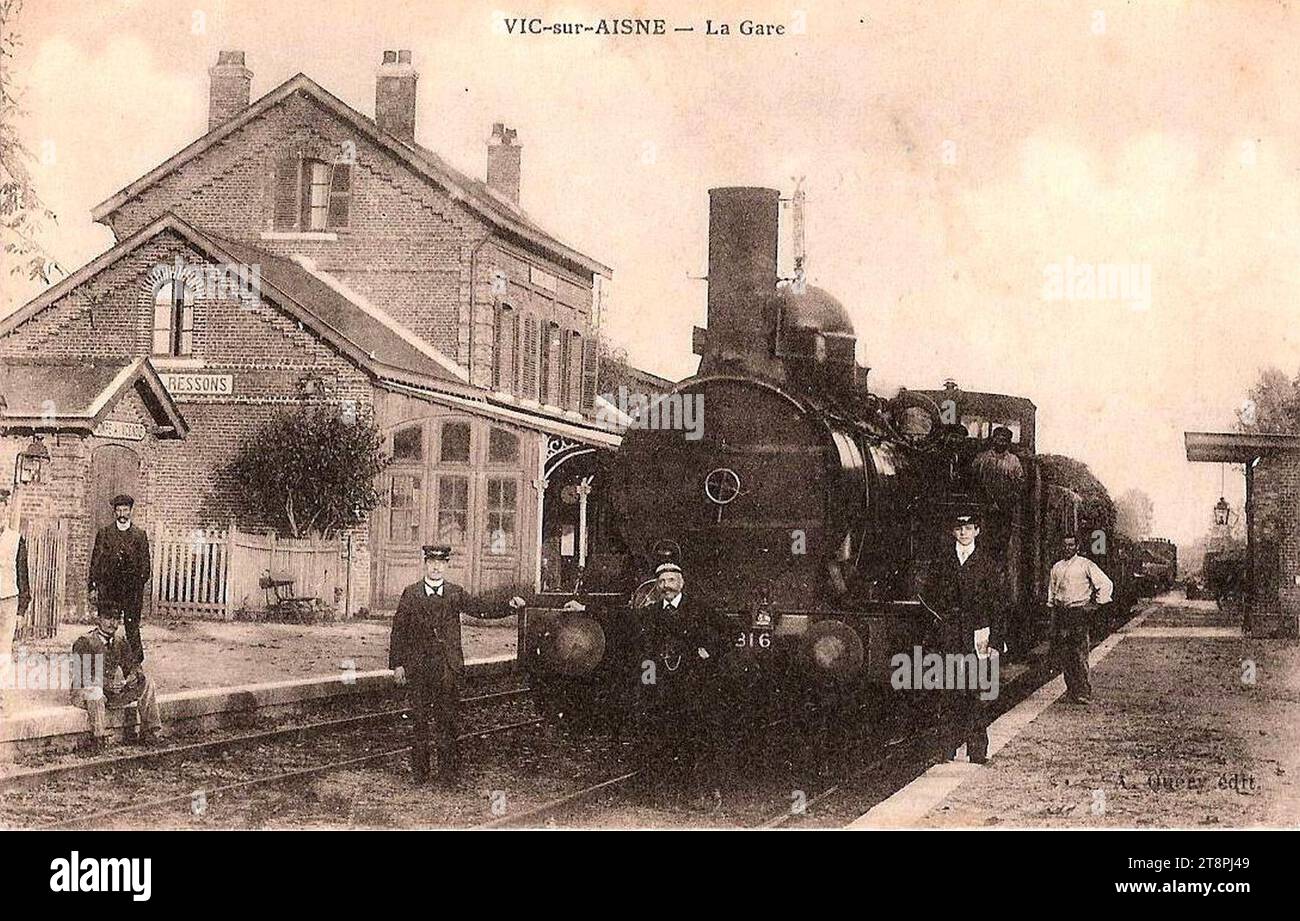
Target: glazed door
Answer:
pixel 114 469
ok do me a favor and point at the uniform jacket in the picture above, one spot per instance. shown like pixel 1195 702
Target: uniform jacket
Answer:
pixel 119 566
pixel 120 658
pixel 672 640
pixel 426 632
pixel 969 596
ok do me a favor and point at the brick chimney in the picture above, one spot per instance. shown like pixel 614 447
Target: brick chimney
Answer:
pixel 395 95
pixel 230 87
pixel 503 162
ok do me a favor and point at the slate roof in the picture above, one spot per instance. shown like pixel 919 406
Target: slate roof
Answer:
pixel 379 342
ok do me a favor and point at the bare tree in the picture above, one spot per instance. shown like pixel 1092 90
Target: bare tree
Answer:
pixel 1133 513
pixel 23 216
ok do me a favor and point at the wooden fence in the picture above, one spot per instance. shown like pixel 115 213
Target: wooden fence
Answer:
pixel 216 572
pixel 47 568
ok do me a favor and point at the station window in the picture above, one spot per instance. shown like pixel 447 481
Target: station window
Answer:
pixel 311 194
pixel 316 195
pixel 408 444
pixel 404 509
pixel 502 512
pixel 173 318
pixel 453 509
pixel 503 447
pixel 455 443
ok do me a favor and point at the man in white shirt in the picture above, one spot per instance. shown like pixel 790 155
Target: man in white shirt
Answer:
pixel 1076 588
pixel 15 593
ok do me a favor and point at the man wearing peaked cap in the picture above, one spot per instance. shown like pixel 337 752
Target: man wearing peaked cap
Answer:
pixel 966 588
pixel 120 569
pixel 427 658
pixel 682 644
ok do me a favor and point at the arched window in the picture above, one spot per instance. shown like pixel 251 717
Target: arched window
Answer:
pixel 503 447
pixel 408 444
pixel 173 318
pixel 455 443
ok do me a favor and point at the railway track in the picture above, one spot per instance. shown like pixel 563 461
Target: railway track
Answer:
pixel 34 777
pixel 893 758
pixel 346 733
pixel 269 780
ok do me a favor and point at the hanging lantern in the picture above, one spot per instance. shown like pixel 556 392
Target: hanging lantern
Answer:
pixel 30 463
pixel 1221 512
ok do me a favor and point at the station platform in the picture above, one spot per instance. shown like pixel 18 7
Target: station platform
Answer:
pixel 1191 725
pixel 216 673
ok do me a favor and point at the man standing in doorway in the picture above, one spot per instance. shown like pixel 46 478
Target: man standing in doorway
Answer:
pixel 120 568
pixel 15 595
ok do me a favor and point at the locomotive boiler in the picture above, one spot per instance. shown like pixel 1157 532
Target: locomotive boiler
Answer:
pixel 800 505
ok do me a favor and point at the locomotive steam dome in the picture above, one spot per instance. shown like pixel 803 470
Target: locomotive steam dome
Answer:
pixel 815 309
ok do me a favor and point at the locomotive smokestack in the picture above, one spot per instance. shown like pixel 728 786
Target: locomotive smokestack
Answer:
pixel 742 280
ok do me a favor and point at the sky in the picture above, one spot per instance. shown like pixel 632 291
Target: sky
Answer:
pixel 967 167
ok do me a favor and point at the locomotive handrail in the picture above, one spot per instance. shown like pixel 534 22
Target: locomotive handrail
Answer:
pixel 939 618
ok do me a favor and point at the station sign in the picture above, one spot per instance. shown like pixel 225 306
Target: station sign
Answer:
pixel 125 431
pixel 181 384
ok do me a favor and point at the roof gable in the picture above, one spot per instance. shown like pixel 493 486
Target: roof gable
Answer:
pixel 502 214
pixel 360 336
pixel 71 394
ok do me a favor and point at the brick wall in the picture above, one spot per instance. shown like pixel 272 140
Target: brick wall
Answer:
pixel 1275 538
pixel 262 348
pixel 409 248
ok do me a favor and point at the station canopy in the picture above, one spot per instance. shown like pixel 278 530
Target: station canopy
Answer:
pixel 1236 447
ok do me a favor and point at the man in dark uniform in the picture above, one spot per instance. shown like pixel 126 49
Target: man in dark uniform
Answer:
pixel 120 569
pixel 426 656
pixel 966 590
pixel 682 646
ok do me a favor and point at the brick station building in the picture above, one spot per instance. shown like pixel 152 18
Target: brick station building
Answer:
pixel 1272 465
pixel 302 252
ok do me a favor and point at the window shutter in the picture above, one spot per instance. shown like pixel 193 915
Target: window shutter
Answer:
pixel 286 194
pixel 590 374
pixel 566 361
pixel 516 355
pixel 304 195
pixel 529 347
pixel 573 393
pixel 503 352
pixel 340 195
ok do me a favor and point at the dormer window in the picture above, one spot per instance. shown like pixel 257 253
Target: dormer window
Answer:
pixel 173 318
pixel 311 195
pixel 316 195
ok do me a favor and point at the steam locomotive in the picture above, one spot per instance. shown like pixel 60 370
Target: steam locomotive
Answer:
pixel 808 510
